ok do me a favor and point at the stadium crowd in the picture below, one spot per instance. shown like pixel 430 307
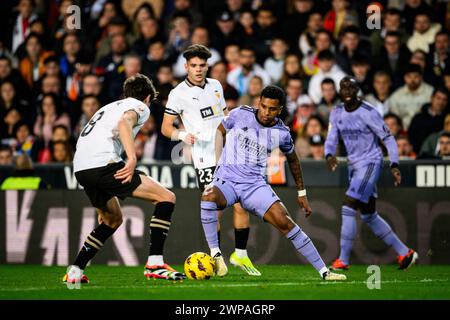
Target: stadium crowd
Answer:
pixel 54 77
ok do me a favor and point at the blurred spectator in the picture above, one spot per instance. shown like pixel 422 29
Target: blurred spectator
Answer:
pixel 200 35
pixel 226 32
pixel 405 149
pixel 316 149
pixel 419 57
pixel 392 58
pixel 153 60
pixel 444 146
pixel 407 100
pixel 322 41
pixel 297 21
pixel 114 79
pixel 71 47
pixel 83 66
pixel 142 13
pixel 411 10
pixel 10 99
pixel 231 56
pixel 424 33
pixel 266 29
pixel 328 69
pixel 430 147
pixel 146 142
pixel 20 23
pixel 360 69
pixel 395 124
pixel 379 98
pixel 219 72
pixel 247 23
pixel 292 68
pixel 51 114
pixel 149 33
pixel 241 75
pixel 7 72
pixel 91 85
pixel 392 21
pixel 12 117
pixel 429 120
pixel 89 106
pixel 255 86
pixel 306 42
pixel 179 33
pixel 61 152
pixel 313 127
pixel 23 177
pixel 339 17
pixel 274 64
pixel 6 155
pixel 439 58
pixel 141 9
pixel 32 65
pixel 330 98
pixel 351 46
pixel 186 8
pixel 294 97
pixel 24 142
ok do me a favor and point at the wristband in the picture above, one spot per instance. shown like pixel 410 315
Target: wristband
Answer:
pixel 182 135
pixel 301 193
pixel 394 165
pixel 328 156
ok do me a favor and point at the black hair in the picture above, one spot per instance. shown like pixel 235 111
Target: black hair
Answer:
pixel 325 55
pixel 4 147
pixel 351 29
pixel 413 68
pixel 396 117
pixel 139 87
pixel 441 90
pixel 20 124
pixel 392 34
pixel 445 134
pixel 274 92
pixel 328 81
pixel 56 101
pixel 197 50
pixel 393 11
pixel 61 126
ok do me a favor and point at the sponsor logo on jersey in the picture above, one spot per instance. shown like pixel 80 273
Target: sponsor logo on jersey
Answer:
pixel 206 112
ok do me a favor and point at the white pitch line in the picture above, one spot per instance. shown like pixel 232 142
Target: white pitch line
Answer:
pixel 229 285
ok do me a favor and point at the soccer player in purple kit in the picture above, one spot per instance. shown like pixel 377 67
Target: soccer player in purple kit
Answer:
pixel 251 134
pixel 361 128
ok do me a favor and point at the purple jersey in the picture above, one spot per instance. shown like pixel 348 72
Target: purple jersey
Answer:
pixel 248 144
pixel 361 130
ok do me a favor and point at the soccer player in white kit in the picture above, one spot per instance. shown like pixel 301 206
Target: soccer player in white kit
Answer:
pixel 105 176
pixel 200 103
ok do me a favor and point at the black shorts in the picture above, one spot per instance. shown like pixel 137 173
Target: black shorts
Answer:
pixel 100 184
pixel 204 177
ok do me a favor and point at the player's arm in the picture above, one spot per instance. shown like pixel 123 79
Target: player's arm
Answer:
pixel 126 123
pixel 169 130
pixel 331 144
pixel 377 125
pixel 221 133
pixel 296 170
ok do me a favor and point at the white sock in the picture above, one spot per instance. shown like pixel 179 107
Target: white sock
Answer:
pixel 214 251
pixel 241 253
pixel 155 260
pixel 323 270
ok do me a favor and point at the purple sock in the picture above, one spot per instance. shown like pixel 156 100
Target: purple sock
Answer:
pixel 209 222
pixel 304 245
pixel 382 230
pixel 348 233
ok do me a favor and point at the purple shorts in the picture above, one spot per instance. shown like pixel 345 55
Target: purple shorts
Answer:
pixel 255 197
pixel 363 181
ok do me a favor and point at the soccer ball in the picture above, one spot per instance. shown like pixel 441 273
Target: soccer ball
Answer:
pixel 199 266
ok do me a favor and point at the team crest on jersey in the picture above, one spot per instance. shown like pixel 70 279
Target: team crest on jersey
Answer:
pixel 217 93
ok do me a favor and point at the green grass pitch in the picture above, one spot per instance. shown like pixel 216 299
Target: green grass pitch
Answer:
pixel 290 282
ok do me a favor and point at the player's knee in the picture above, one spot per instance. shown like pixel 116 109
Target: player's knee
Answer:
pixel 169 197
pixel 285 225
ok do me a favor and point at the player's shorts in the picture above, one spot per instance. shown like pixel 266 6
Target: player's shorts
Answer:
pixel 100 184
pixel 204 177
pixel 363 181
pixel 255 197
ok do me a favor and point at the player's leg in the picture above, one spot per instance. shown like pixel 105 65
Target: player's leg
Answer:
pixel 278 216
pixel 111 219
pixel 164 201
pixel 348 232
pixel 406 257
pixel 239 258
pixel 214 199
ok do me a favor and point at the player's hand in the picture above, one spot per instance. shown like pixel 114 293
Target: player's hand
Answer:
pixel 304 205
pixel 397 176
pixel 190 138
pixel 332 163
pixel 126 173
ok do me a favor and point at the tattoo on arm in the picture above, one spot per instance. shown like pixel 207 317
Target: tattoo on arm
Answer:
pixel 296 170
